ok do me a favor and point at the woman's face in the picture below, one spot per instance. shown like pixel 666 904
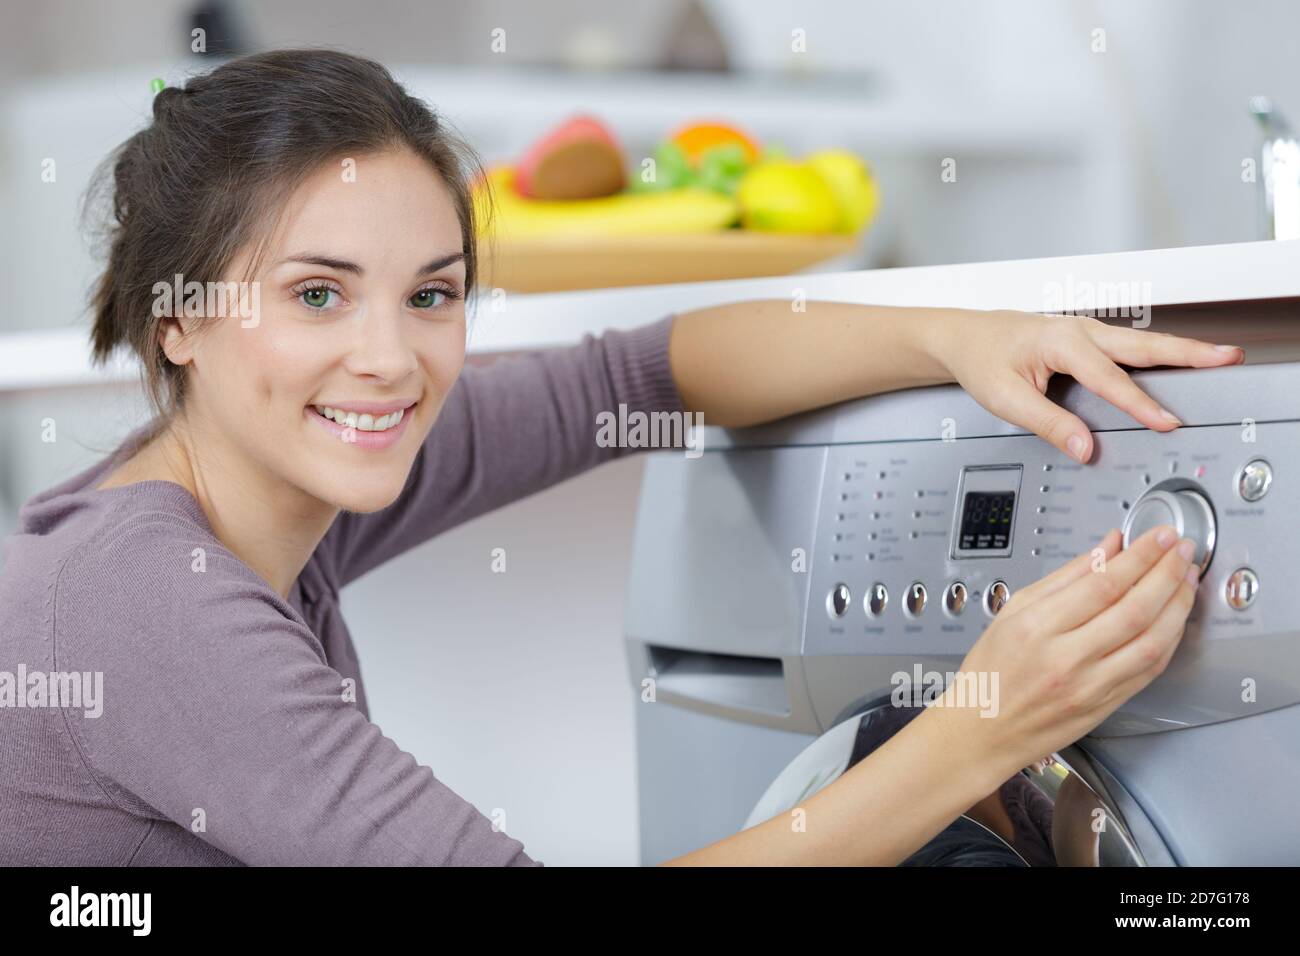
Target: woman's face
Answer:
pixel 361 318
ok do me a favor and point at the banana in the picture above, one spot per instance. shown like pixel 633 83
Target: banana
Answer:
pixel 671 212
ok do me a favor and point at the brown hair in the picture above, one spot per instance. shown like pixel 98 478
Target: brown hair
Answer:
pixel 217 163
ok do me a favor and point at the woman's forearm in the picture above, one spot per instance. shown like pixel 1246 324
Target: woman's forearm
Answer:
pixel 882 809
pixel 743 363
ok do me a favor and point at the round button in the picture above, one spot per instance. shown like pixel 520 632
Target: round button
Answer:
pixel 1180 503
pixel 954 598
pixel 838 601
pixel 1254 480
pixel 996 597
pixel 915 600
pixel 1240 589
pixel 877 599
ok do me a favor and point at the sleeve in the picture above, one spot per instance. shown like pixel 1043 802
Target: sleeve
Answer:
pixel 219 713
pixel 507 430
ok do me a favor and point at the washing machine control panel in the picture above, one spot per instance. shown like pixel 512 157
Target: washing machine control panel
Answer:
pixel 920 544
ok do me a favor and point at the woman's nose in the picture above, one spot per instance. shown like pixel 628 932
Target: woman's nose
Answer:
pixel 380 346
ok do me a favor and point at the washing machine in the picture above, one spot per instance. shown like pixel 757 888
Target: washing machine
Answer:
pixel 784 579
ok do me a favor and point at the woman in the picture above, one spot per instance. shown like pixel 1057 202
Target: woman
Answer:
pixel 331 427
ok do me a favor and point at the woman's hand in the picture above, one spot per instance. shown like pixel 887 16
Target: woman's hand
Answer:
pixel 1069 649
pixel 1005 359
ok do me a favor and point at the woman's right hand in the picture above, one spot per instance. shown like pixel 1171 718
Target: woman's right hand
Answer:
pixel 1071 648
pixel 1068 650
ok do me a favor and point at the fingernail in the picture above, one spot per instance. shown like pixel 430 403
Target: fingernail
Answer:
pixel 1186 549
pixel 1193 575
pixel 1165 536
pixel 1075 446
pixel 1226 348
pixel 1170 416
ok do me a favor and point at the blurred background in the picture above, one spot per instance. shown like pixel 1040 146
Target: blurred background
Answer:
pixel 1065 140
pixel 990 130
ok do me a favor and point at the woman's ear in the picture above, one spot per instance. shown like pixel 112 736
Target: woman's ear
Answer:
pixel 175 342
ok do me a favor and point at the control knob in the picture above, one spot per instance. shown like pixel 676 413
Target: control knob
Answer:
pixel 1180 503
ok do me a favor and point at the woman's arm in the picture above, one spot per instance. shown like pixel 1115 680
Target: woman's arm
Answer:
pixel 1060 667
pixel 879 812
pixel 748 362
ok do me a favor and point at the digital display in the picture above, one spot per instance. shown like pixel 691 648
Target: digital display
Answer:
pixel 986 520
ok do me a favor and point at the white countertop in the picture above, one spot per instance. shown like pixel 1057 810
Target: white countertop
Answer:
pixel 1242 271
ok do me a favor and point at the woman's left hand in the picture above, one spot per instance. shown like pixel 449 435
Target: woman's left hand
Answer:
pixel 1005 364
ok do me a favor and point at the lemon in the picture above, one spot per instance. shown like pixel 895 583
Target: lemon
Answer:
pixel 856 193
pixel 781 195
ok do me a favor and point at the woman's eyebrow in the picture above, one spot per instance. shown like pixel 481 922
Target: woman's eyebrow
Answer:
pixel 435 264
pixel 343 265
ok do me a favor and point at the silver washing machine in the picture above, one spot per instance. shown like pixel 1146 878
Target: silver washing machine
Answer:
pixel 780 581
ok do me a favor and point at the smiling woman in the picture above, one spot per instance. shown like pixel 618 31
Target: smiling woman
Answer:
pixel 198 567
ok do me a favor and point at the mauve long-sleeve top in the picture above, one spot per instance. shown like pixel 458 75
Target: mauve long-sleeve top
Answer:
pixel 228 733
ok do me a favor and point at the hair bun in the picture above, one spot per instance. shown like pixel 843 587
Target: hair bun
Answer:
pixel 166 100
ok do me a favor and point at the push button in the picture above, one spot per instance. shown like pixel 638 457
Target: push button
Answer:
pixel 915 600
pixel 954 598
pixel 838 601
pixel 877 599
pixel 1254 480
pixel 996 597
pixel 1240 589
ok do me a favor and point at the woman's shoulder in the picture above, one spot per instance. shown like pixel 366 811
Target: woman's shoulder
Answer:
pixel 138 526
pixel 138 563
pixel 144 595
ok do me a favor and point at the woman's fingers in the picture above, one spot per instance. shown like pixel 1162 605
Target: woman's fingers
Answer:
pixel 1141 604
pixel 1077 604
pixel 1134 665
pixel 1143 349
pixel 1098 374
pixel 1023 405
pixel 1071 571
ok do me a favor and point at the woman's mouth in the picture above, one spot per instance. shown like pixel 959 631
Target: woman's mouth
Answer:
pixel 372 428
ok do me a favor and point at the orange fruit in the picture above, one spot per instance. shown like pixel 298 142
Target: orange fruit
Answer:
pixel 696 138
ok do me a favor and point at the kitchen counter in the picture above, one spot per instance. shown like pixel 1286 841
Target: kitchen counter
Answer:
pixel 1200 274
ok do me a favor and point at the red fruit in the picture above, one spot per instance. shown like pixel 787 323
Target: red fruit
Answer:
pixel 580 159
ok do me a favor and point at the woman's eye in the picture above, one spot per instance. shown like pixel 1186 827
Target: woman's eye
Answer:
pixel 316 298
pixel 424 299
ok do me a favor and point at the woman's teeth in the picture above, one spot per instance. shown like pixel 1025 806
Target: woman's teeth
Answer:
pixel 365 423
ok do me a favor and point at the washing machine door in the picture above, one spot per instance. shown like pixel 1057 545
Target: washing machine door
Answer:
pixel 1058 813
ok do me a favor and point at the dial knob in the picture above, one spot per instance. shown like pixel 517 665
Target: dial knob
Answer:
pixel 1179 503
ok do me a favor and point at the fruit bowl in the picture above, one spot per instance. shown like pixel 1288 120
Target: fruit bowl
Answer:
pixel 558 263
pixel 567 216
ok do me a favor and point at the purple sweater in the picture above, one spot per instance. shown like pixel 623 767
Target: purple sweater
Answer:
pixel 226 734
